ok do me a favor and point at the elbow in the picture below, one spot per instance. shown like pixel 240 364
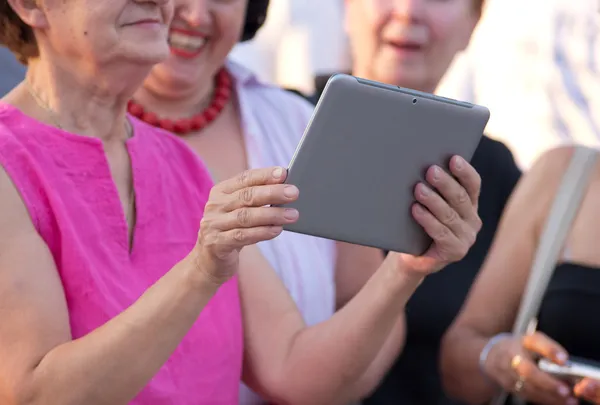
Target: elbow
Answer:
pixel 292 389
pixel 35 387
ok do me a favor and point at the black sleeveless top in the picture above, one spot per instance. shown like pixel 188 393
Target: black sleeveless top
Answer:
pixel 568 313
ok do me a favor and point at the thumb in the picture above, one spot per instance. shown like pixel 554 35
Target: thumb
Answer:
pixel 544 346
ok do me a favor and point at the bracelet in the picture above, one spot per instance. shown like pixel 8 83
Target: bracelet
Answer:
pixel 488 347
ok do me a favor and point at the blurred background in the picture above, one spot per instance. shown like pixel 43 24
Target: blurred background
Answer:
pixel 533 63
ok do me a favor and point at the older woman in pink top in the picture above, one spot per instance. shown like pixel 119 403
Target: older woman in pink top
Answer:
pixel 109 294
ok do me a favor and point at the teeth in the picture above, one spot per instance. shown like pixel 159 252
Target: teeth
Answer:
pixel 186 42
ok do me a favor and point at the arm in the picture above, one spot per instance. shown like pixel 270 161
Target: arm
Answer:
pixel 384 360
pixel 355 265
pixel 41 364
pixel 494 299
pixel 315 365
pixel 320 364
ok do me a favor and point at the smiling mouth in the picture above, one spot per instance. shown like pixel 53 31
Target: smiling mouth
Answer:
pixel 407 46
pixel 186 44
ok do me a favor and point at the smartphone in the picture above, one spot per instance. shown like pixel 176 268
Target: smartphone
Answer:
pixel 573 371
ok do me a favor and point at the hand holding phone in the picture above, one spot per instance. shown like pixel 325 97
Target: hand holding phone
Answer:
pixel 513 364
pixel 573 371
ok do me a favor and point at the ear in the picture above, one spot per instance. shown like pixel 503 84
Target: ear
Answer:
pixel 30 13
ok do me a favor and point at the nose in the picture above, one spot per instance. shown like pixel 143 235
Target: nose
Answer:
pixel 195 13
pixel 409 10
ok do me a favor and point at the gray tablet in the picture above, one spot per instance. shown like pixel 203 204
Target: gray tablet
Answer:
pixel 366 147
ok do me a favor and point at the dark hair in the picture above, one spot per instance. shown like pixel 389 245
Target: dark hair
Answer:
pixel 256 13
pixel 18 36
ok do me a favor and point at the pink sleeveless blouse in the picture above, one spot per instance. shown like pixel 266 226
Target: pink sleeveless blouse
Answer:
pixel 66 184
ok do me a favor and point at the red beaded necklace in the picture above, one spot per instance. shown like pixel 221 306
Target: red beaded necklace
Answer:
pixel 221 97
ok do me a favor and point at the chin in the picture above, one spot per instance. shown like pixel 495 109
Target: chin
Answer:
pixel 170 71
pixel 148 54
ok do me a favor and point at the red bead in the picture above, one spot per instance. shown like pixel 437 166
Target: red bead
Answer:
pixel 198 122
pixel 135 109
pixel 220 103
pixel 166 125
pixel 222 95
pixel 150 118
pixel 224 79
pixel 182 126
pixel 224 92
pixel 225 83
pixel 211 113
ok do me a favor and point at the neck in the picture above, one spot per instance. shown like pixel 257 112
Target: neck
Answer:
pixel 90 105
pixel 170 100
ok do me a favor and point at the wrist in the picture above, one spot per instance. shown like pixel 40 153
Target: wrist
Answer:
pixel 196 275
pixel 487 349
pixel 402 270
pixel 400 276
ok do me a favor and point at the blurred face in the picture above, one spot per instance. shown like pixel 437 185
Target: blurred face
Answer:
pixel 201 36
pixel 409 43
pixel 100 31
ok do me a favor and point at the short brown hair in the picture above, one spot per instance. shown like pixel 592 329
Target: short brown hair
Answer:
pixel 16 35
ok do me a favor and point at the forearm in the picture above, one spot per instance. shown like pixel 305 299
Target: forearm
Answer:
pixel 114 362
pixel 461 375
pixel 379 367
pixel 325 361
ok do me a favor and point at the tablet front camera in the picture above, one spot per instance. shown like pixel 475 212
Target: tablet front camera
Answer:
pixel 414 101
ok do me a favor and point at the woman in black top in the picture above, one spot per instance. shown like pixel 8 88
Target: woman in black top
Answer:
pixel 567 322
pixel 411 44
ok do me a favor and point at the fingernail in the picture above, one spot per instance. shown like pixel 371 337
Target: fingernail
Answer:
pixel 425 191
pixel 278 172
pixel 290 191
pixel 563 391
pixel 459 163
pixel 290 213
pixel 561 357
pixel 436 173
pixel 419 209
